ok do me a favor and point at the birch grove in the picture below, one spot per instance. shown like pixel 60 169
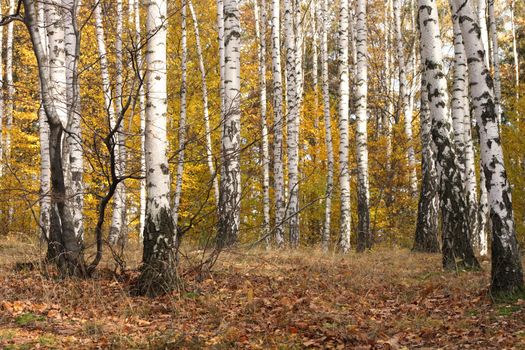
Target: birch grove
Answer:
pixel 196 142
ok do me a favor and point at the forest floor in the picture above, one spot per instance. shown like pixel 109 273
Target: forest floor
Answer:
pixel 384 299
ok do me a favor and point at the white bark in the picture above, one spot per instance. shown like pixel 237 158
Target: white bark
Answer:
pixel 482 21
pixel 159 258
pixel 260 30
pixel 507 275
pixel 43 127
pixel 142 112
pixel 457 250
pixel 9 81
pixel 314 12
pixel 292 140
pixel 344 95
pixel 278 172
pixel 495 59
pixel 118 218
pixel 328 125
pixel 361 95
pixel 461 121
pixel 404 96
pixel 220 34
pixel 182 118
pixel 230 183
pixel 204 85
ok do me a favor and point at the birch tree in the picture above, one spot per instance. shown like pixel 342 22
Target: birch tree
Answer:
pixel 260 29
pixel 426 237
pixel 230 182
pixel 404 96
pixel 158 273
pixel 43 128
pixel 182 118
pixel 206 113
pixel 73 153
pixel 327 125
pixel 292 124
pixel 364 236
pixel 278 171
pixel 118 219
pixel 344 95
pixel 507 275
pixel 482 21
pixel 65 248
pixel 462 133
pixel 9 81
pixel 495 59
pixel 457 250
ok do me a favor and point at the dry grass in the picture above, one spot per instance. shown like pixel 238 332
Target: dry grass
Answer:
pixel 385 299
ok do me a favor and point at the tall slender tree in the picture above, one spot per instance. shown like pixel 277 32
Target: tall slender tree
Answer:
pixel 327 124
pixel 364 236
pixel 404 95
pixel 292 123
pixel 278 171
pixel 457 250
pixel 260 29
pixel 507 274
pixel 343 110
pixel 230 183
pixel 158 273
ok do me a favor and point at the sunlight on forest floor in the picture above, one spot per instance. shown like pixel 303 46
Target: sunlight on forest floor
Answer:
pixel 384 299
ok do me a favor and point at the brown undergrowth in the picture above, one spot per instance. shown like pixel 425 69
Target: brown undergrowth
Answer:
pixel 384 299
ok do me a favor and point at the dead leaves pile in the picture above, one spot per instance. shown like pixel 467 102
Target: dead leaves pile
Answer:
pixel 268 300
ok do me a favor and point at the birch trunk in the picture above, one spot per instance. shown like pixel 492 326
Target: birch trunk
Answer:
pixel 230 183
pixel 507 275
pixel 328 125
pixel 344 96
pixel 204 85
pixel 73 153
pixel 389 110
pixel 158 272
pixel 482 21
pixel 64 246
pixel 118 218
pixel 292 140
pixel 426 238
pixel 9 81
pixel 457 250
pixel 182 119
pixel 220 33
pixel 315 59
pixel 260 28
pixel 364 236
pixel 43 126
pixel 495 60
pixel 462 130
pixel 278 172
pixel 142 104
pixel 404 96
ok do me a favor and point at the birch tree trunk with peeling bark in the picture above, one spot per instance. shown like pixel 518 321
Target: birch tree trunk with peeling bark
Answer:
pixel 292 140
pixel 404 96
pixel 344 96
pixel 495 59
pixel 230 182
pixel 204 85
pixel 278 171
pixel 73 151
pixel 462 131
pixel 328 126
pixel 65 248
pixel 118 219
pixel 426 238
pixel 182 118
pixel 10 83
pixel 482 21
pixel 364 236
pixel 507 274
pixel 457 250
pixel 260 29
pixel 158 271
pixel 43 128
